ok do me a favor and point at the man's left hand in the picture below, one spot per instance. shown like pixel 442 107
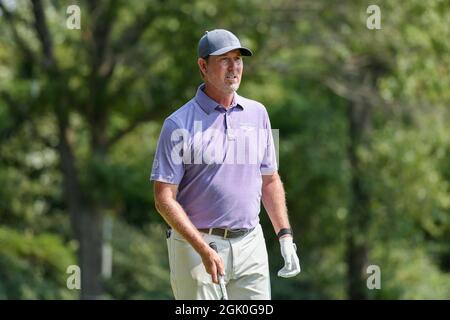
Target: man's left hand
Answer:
pixel 291 262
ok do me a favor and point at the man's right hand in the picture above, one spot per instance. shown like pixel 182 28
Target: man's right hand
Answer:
pixel 213 264
pixel 176 217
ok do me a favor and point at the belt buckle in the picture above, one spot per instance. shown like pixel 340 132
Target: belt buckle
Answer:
pixel 225 234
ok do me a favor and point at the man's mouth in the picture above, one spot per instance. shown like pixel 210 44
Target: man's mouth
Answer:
pixel 231 77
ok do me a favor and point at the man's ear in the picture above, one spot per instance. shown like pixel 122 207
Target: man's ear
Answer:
pixel 202 65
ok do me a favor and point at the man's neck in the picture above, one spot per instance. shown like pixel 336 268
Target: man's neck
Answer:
pixel 223 99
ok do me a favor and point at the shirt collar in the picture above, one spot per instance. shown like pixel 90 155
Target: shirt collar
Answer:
pixel 209 105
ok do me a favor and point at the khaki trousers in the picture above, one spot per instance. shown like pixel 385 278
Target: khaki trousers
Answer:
pixel 245 261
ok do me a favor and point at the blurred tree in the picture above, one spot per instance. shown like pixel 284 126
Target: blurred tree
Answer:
pixel 34 267
pixel 329 52
pixel 79 82
pixel 363 122
pixel 92 87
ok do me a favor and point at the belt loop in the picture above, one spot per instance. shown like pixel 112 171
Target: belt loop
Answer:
pixel 225 234
pixel 210 231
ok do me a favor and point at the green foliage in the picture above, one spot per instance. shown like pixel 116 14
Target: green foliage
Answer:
pixel 407 262
pixel 313 60
pixel 140 265
pixel 34 266
pixel 410 195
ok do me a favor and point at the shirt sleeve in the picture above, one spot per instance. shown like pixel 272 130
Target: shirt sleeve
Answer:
pixel 269 160
pixel 168 165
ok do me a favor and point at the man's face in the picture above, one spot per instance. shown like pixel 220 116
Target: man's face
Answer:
pixel 224 72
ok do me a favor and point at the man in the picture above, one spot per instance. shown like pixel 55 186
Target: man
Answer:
pixel 214 196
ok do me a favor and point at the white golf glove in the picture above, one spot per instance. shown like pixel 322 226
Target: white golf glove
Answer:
pixel 291 262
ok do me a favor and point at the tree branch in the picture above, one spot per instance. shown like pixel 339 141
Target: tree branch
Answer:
pixel 133 125
pixel 133 33
pixel 120 134
pixel 154 113
pixel 45 39
pixel 103 62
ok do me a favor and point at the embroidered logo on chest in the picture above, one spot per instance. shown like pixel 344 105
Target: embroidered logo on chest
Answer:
pixel 247 126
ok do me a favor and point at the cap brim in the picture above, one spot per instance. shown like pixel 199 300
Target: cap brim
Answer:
pixel 244 51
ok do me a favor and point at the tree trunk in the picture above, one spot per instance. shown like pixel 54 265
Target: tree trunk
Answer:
pixel 359 215
pixel 86 220
pixel 91 254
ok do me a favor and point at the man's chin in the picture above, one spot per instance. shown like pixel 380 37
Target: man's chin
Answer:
pixel 232 88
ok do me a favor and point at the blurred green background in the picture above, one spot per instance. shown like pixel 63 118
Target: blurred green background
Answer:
pixel 364 141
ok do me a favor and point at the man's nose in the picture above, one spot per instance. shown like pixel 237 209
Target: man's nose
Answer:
pixel 233 65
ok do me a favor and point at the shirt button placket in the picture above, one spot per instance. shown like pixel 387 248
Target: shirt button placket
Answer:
pixel 229 129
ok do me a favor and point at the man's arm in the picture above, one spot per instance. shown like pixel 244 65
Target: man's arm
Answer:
pixel 176 217
pixel 274 201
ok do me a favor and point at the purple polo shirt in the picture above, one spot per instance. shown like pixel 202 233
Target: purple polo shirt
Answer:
pixel 217 158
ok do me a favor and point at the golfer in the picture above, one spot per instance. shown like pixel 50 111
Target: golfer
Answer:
pixel 215 160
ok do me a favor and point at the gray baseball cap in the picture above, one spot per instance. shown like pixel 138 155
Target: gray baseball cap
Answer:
pixel 220 41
